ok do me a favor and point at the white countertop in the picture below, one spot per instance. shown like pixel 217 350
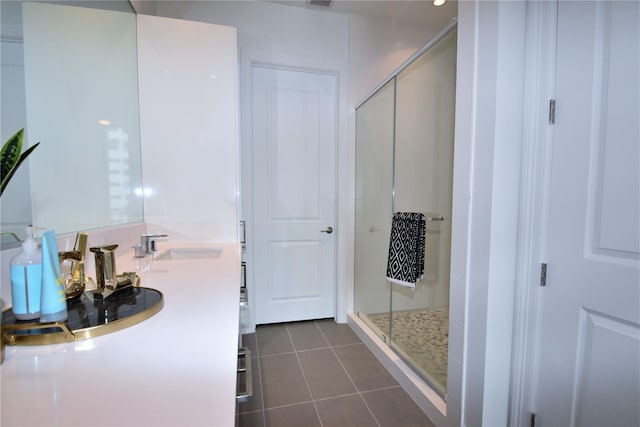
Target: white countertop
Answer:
pixel 177 368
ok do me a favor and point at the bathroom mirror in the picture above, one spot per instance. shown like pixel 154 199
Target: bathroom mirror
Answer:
pixel 69 77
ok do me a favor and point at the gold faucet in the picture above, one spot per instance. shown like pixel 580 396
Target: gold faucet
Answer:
pixel 74 285
pixel 107 281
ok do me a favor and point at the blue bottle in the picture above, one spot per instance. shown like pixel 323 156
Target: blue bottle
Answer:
pixel 26 280
pixel 53 300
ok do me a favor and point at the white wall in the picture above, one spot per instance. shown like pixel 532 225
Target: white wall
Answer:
pixel 489 131
pixel 188 121
pixel 377 48
pixel 271 28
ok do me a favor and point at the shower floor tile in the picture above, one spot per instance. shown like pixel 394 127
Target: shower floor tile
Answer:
pixel 323 376
pixel 422 336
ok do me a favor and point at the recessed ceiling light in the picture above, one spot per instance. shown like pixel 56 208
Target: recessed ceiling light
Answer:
pixel 439 2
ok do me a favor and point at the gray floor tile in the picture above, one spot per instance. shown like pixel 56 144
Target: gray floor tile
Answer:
pixel 345 411
pixel 393 407
pixel 337 333
pixel 282 381
pixel 306 336
pixel 301 415
pixel 252 419
pixel 363 368
pixel 273 339
pixel 296 365
pixel 324 373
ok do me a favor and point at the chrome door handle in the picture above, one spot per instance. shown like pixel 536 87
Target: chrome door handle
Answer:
pixel 327 230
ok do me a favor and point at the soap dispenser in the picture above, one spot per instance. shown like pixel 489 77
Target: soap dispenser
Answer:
pixel 26 279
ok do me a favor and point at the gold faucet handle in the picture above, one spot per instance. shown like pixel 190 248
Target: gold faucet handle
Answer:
pixel 74 286
pixel 72 255
pixel 76 258
pixel 102 249
pixel 80 246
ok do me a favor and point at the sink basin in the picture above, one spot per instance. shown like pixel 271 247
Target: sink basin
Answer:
pixel 189 253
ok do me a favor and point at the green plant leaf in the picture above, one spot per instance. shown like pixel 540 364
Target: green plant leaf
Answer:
pixel 10 153
pixel 11 159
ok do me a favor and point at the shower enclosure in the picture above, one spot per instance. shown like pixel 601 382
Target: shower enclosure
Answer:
pixel 404 163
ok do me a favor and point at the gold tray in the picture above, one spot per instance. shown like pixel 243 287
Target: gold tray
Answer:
pixel 87 318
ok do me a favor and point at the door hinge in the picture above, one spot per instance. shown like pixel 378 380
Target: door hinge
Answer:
pixel 543 274
pixel 552 111
pixel 533 420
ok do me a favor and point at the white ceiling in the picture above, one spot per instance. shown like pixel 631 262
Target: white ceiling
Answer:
pixel 412 12
pixel 409 11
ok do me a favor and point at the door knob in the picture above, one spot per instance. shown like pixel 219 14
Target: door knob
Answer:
pixel 327 230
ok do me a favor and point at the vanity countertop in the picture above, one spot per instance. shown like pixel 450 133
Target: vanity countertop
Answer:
pixel 177 368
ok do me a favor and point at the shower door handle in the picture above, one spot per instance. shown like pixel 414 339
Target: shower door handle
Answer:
pixel 327 230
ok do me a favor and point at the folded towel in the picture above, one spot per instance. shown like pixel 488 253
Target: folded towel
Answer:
pixel 405 265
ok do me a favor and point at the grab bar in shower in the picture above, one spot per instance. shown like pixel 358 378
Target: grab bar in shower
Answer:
pixel 373 228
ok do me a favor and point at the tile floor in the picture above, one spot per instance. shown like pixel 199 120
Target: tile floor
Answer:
pixel 319 373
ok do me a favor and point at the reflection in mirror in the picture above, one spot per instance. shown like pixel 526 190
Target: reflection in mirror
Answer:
pixel 69 77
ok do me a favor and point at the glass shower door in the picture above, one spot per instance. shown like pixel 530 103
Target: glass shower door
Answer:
pixel 423 182
pixel 404 163
pixel 373 207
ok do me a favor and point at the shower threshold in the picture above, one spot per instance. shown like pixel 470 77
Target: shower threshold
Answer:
pixel 421 337
pixel 422 392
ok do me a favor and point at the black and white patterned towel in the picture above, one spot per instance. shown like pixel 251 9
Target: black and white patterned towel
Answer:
pixel 405 265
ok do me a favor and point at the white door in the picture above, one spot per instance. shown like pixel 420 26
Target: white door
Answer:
pixel 589 344
pixel 294 134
